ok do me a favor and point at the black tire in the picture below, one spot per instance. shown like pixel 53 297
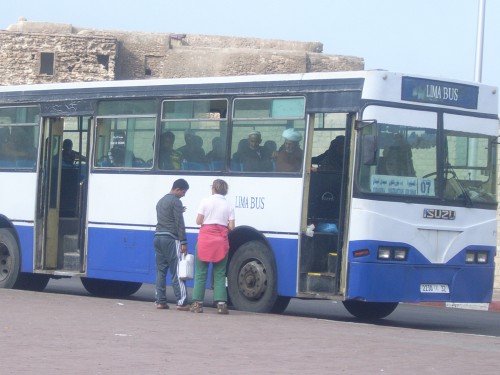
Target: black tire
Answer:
pixel 252 278
pixel 370 310
pixel 280 305
pixel 32 281
pixel 10 259
pixel 110 288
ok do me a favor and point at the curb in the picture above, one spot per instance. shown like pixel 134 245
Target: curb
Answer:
pixel 492 306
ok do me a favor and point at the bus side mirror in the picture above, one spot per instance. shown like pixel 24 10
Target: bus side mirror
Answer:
pixel 369 146
pixel 360 124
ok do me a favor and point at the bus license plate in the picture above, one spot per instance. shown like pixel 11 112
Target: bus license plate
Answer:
pixel 434 288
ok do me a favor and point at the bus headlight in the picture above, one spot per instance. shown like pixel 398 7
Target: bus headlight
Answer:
pixel 482 257
pixel 384 253
pixel 392 253
pixel 470 256
pixel 400 254
pixel 479 257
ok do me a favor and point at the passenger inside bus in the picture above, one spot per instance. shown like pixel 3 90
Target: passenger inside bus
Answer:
pixel 217 152
pixel 118 155
pixel 397 159
pixel 192 151
pixel 169 159
pixel 252 156
pixel 271 147
pixel 331 160
pixel 325 187
pixel 69 156
pixel 289 156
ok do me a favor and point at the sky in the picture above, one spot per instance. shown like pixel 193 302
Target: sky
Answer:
pixel 426 37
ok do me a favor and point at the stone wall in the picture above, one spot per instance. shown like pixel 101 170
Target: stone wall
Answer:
pixel 76 58
pixel 137 55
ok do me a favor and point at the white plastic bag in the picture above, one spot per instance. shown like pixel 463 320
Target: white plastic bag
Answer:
pixel 186 267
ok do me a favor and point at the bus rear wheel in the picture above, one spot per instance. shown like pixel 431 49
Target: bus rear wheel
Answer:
pixel 110 288
pixel 370 310
pixel 252 278
pixel 10 259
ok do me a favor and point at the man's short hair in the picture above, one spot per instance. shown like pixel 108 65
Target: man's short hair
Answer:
pixel 168 134
pixel 180 184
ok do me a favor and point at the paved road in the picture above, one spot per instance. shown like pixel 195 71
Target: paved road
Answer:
pixel 49 333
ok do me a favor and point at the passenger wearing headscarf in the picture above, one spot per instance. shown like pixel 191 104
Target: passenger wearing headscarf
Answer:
pixel 289 157
pixel 332 160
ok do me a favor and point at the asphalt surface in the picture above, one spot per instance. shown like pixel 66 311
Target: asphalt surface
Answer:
pixel 49 333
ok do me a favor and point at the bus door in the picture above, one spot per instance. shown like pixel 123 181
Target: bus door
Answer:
pixel 62 195
pixel 325 204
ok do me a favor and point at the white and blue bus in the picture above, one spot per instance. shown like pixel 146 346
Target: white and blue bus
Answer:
pixel 408 214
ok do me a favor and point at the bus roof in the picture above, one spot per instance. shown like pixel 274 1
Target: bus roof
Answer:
pixel 221 80
pixel 378 85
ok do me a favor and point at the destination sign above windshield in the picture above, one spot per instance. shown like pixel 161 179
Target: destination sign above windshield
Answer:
pixel 439 92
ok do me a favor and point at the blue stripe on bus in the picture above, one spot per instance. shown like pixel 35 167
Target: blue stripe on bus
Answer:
pixel 121 254
pixel 375 280
pixel 128 255
pixel 414 256
pixel 26 236
pixel 285 253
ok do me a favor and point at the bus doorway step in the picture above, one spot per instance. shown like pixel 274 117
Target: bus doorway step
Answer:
pixel 72 261
pixel 320 282
pixel 71 253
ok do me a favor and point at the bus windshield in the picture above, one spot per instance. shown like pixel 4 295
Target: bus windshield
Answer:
pixel 405 161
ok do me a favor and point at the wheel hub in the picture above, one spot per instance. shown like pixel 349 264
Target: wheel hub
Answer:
pixel 252 280
pixel 5 262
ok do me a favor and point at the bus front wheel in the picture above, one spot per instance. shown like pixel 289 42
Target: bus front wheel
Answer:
pixel 252 278
pixel 32 281
pixel 280 305
pixel 110 288
pixel 10 259
pixel 370 310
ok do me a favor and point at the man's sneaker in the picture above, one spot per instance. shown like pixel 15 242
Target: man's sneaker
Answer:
pixel 161 306
pixel 197 307
pixel 222 308
pixel 183 307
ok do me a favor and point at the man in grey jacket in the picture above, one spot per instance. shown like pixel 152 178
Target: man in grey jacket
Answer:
pixel 170 242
